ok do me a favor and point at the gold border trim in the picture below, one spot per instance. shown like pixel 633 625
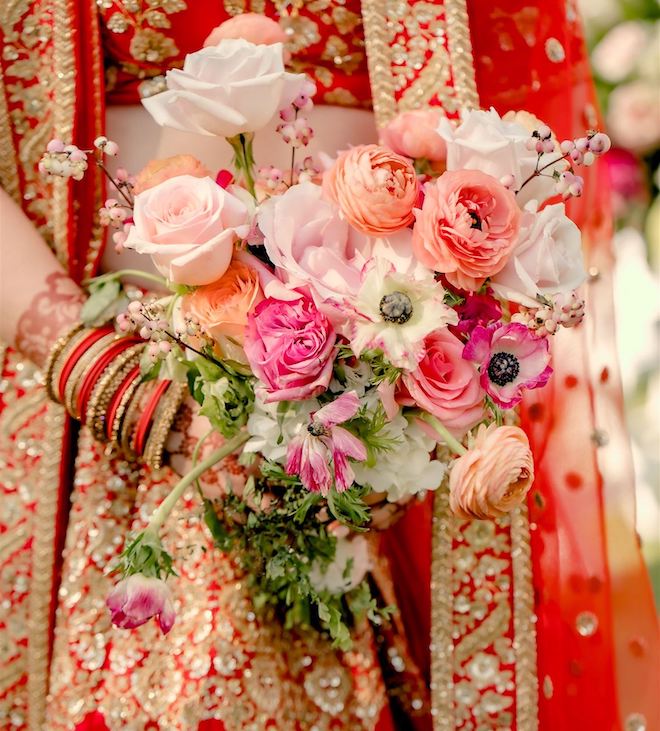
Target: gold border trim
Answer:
pixel 8 167
pixel 459 46
pixel 377 40
pixel 524 627
pixel 43 556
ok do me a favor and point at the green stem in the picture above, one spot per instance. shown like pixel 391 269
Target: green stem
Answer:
pixel 246 146
pixel 165 508
pixel 449 439
pixel 195 457
pixel 128 273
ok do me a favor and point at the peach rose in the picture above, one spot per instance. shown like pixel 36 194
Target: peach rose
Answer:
pixel 252 27
pixel 222 307
pixel 376 189
pixel 467 227
pixel 494 476
pixel 415 134
pixel 157 171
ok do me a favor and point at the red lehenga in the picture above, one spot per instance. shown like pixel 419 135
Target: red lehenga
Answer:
pixel 541 621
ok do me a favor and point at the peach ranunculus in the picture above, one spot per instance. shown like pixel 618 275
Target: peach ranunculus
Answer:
pixel 467 227
pixel 415 134
pixel 252 27
pixel 494 475
pixel 221 308
pixel 376 189
pixel 160 170
pixel 189 227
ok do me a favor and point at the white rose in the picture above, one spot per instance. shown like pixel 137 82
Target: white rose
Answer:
pixel 484 141
pixel 547 259
pixel 406 469
pixel 346 570
pixel 633 117
pixel 225 90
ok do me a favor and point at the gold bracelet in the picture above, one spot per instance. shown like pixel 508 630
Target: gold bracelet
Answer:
pixel 122 409
pixel 162 424
pixel 53 355
pixel 63 357
pixel 80 370
pixel 135 407
pixel 111 379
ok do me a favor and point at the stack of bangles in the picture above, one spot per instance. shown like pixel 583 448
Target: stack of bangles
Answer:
pixel 95 374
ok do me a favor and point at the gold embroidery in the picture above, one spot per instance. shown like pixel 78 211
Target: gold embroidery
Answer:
pixel 8 167
pixel 460 54
pixel 378 34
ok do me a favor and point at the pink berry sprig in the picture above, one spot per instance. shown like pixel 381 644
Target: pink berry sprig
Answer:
pixel 63 161
pixel 563 310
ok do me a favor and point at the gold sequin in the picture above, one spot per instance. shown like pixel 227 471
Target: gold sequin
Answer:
pixel 554 50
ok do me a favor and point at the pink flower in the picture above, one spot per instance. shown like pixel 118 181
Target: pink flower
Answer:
pixel 494 476
pixel 467 227
pixel 510 359
pixel 290 347
pixel 252 27
pixel 158 171
pixel 415 134
pixel 444 384
pixel 138 598
pixel 477 309
pixel 319 457
pixel 375 188
pixel 189 226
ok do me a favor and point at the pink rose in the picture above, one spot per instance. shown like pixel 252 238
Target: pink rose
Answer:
pixel 188 226
pixel 290 347
pixel 444 384
pixel 138 598
pixel 415 134
pixel 252 27
pixel 158 171
pixel 375 188
pixel 494 476
pixel 467 227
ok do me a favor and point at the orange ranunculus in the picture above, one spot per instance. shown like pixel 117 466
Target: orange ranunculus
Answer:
pixel 494 476
pixel 157 171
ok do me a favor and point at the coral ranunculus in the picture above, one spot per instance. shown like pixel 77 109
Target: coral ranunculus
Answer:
pixel 252 27
pixel 222 307
pixel 467 227
pixel 158 171
pixel 494 475
pixel 375 188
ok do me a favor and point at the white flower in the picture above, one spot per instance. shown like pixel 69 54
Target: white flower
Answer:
pixel 617 54
pixel 272 426
pixel 547 259
pixel 394 313
pixel 407 468
pixel 484 141
pixel 225 90
pixel 348 568
pixel 633 116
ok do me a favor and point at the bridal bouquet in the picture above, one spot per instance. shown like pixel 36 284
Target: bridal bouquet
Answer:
pixel 356 329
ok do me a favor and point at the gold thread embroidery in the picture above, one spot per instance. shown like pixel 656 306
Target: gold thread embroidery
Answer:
pixel 460 54
pixel 527 685
pixel 8 168
pixel 43 559
pixel 378 34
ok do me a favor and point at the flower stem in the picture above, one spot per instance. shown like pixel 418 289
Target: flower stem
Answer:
pixel 538 170
pixel 442 430
pixel 246 145
pixel 165 508
pixel 128 273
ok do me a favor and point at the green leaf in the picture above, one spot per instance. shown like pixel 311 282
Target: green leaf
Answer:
pixel 106 300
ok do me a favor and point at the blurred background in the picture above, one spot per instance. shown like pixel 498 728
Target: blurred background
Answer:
pixel 624 41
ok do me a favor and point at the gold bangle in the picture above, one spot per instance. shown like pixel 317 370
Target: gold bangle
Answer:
pixel 65 354
pixel 122 408
pixel 53 355
pixel 80 370
pixel 105 387
pixel 162 424
pixel 133 412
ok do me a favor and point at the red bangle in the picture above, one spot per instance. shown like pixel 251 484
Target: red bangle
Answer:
pixel 116 400
pixel 97 370
pixel 144 424
pixel 78 351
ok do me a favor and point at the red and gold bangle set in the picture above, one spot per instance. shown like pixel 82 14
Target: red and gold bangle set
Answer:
pixel 95 373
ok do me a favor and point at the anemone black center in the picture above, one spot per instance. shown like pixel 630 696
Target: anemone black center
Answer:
pixel 316 429
pixel 476 221
pixel 503 368
pixel 396 307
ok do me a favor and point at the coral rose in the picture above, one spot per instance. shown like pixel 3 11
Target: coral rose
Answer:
pixel 158 171
pixel 494 476
pixel 467 227
pixel 415 134
pixel 222 308
pixel 376 189
pixel 444 384
pixel 252 27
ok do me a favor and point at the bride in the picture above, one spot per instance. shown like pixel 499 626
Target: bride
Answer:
pixel 544 620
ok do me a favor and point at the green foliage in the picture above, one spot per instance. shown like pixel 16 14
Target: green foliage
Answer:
pixel 106 300
pixel 146 555
pixel 371 428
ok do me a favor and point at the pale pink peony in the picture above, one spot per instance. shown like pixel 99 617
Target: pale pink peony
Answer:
pixel 467 227
pixel 290 347
pixel 415 134
pixel 444 384
pixel 251 27
pixel 494 475
pixel 319 455
pixel 510 359
pixel 376 189
pixel 158 171
pixel 188 226
pixel 138 598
